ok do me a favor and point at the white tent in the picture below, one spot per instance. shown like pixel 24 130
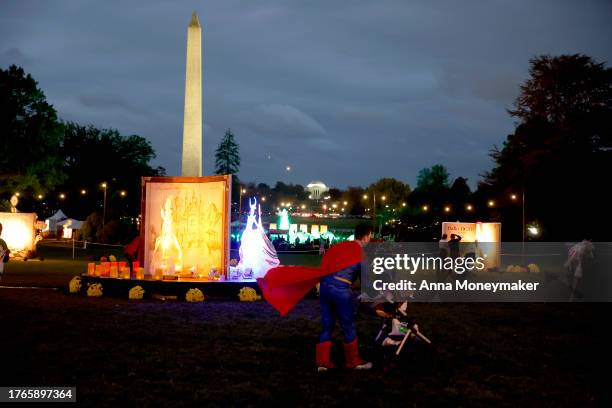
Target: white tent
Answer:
pixel 53 220
pixel 59 215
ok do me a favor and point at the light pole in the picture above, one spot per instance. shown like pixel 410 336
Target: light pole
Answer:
pixel 242 191
pixel 523 223
pixel 375 221
pixel 523 217
pixel 513 197
pixel 104 205
pixel 365 196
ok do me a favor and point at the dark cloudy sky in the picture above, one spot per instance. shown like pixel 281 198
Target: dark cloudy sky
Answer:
pixel 342 91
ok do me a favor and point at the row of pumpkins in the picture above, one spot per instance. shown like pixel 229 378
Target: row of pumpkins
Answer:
pixel 137 292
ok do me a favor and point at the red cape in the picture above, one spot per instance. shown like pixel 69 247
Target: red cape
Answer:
pixel 284 286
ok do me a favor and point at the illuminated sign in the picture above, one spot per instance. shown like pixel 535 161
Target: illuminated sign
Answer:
pixel 185 227
pixel 485 234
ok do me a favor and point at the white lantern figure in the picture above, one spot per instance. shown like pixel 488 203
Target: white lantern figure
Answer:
pixel 257 253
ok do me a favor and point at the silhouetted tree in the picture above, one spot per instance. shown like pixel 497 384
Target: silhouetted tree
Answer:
pixel 227 156
pixel 356 203
pixel 30 155
pixel 93 156
pixel 390 194
pixel 561 146
pixel 432 179
pixel 334 194
pixel 460 190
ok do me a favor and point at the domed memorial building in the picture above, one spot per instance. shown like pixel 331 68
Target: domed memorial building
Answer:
pixel 316 190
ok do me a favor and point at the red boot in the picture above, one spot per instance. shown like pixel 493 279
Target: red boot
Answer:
pixel 351 357
pixel 323 360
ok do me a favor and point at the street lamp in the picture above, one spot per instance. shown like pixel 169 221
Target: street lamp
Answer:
pixel 83 192
pixel 104 186
pixel 242 191
pixel 514 197
pixel 365 197
pixel 523 217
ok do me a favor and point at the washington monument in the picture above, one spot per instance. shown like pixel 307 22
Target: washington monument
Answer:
pixel 192 122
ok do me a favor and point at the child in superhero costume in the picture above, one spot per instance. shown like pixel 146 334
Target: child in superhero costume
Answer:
pixel 284 286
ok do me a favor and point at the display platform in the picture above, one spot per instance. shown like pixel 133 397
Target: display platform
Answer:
pixel 175 287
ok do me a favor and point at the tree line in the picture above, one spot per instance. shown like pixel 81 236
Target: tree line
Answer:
pixel 551 171
pixel 57 164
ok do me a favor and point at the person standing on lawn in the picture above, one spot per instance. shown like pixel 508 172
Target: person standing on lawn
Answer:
pixel 453 245
pixel 284 286
pixel 338 303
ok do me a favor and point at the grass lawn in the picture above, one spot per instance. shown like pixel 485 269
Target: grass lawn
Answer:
pixel 223 353
pixel 228 353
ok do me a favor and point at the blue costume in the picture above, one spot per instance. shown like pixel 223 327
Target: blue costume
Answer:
pixel 337 302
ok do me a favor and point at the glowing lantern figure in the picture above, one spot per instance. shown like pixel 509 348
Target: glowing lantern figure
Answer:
pixel 67 230
pixel 256 251
pixel 314 231
pixel 292 233
pixel 167 255
pixel 283 220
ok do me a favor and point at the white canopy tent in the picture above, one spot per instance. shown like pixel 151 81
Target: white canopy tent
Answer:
pixel 51 222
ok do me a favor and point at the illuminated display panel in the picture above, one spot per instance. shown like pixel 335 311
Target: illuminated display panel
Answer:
pixel 487 234
pixel 18 231
pixel 185 227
